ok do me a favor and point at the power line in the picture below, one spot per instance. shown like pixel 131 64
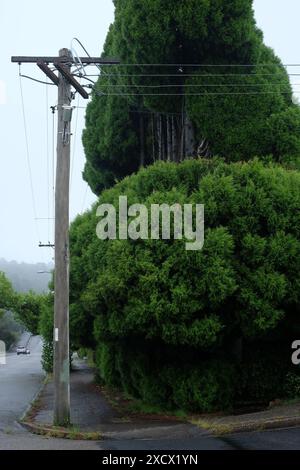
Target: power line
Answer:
pixel 85 50
pixel 141 111
pixel 74 142
pixel 48 162
pixel 36 80
pixel 194 85
pixel 80 43
pixel 190 75
pixel 28 158
pixel 201 65
pixel 195 94
pixel 77 58
pixel 53 163
pixel 85 78
pixel 84 198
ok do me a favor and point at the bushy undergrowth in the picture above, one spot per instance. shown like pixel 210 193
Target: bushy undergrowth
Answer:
pixel 183 329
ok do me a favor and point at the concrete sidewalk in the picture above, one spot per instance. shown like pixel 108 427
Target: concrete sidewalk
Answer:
pixel 91 413
pixel 279 416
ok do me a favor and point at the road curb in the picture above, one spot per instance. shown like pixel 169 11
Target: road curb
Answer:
pixel 248 426
pixel 61 433
pixel 34 399
pixel 213 429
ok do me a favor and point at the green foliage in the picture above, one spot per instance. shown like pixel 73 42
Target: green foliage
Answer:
pixel 282 133
pixel 262 373
pixel 10 330
pixel 165 320
pixel 292 385
pixel 7 295
pixel 45 328
pixel 110 141
pixel 47 356
pixel 28 310
pixel 171 383
pixel 204 388
pixel 248 118
pixel 45 323
pixel 242 112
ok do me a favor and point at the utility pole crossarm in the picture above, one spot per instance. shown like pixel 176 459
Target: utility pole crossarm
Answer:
pixel 69 77
pixel 44 67
pixel 63 64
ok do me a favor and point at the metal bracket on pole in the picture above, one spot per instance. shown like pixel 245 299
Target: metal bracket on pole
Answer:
pixel 46 245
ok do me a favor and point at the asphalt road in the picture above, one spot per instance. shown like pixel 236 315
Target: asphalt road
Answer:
pixel 21 378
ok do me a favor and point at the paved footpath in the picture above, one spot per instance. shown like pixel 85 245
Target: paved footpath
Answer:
pixel 22 376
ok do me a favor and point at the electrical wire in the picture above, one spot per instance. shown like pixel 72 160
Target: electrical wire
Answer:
pixel 33 200
pixel 80 43
pixel 76 56
pixel 53 166
pixel 48 162
pixel 74 142
pixel 72 164
pixel 192 75
pixel 84 198
pixel 87 53
pixel 201 65
pixel 36 80
pixel 190 85
pixel 180 74
pixel 85 78
pixel 195 94
pixel 141 111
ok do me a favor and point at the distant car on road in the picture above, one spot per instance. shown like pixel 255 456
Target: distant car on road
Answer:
pixel 22 350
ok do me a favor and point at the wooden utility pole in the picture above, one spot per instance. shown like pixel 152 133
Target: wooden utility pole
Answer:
pixel 61 274
pixel 64 81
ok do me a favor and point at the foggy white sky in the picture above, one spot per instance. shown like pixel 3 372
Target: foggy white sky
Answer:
pixel 33 27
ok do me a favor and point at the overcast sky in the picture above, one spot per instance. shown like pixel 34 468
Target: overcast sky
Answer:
pixel 33 27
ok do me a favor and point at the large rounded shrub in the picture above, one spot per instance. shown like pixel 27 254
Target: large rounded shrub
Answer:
pixel 176 327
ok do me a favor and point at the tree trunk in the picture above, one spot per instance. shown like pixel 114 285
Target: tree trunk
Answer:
pixel 142 141
pixel 159 136
pixel 182 137
pixel 162 137
pixel 173 158
pixel 189 137
pixel 169 138
pixel 153 138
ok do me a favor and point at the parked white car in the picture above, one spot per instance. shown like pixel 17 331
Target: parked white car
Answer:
pixel 22 350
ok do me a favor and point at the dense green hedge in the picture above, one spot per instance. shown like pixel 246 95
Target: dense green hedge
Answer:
pixel 241 111
pixel 195 330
